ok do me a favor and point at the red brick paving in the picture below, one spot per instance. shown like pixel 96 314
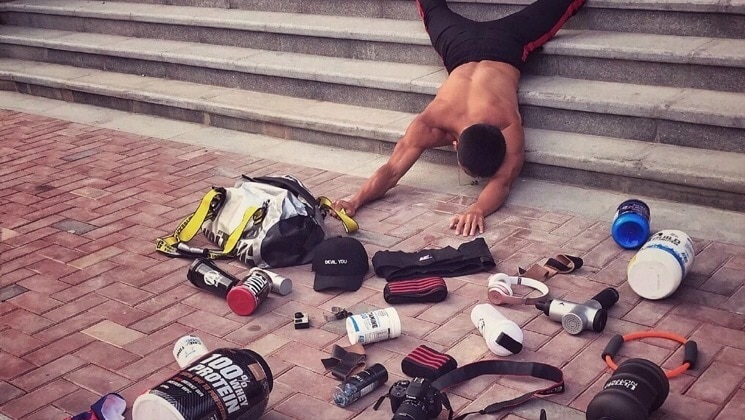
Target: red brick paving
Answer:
pixel 89 307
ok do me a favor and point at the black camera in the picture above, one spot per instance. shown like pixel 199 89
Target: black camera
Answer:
pixel 415 400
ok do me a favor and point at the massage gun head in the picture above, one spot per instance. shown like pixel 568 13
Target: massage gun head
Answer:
pixel 584 318
pixel 575 318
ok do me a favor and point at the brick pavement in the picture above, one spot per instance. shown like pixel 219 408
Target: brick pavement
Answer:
pixel 88 307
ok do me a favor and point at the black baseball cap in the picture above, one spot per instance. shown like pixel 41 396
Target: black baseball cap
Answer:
pixel 339 262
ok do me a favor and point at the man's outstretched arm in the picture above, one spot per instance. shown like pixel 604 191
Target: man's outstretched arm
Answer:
pixel 418 137
pixel 497 189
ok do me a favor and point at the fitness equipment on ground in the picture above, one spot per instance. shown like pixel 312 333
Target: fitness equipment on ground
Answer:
pixel 575 317
pixel 500 290
pixel 638 386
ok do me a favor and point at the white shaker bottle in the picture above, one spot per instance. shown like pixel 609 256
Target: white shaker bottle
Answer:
pixel 503 337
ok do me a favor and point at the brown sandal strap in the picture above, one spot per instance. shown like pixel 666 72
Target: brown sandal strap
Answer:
pixel 561 263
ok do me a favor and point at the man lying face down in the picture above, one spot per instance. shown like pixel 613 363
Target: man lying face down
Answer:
pixel 476 108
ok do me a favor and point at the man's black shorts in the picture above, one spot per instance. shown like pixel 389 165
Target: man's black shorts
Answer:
pixel 510 39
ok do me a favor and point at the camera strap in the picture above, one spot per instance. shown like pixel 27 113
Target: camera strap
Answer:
pixel 499 367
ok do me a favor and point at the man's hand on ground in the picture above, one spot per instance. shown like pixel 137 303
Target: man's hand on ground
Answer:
pixel 349 208
pixel 468 223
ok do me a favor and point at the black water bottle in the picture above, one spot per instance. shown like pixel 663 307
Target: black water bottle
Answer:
pixel 360 384
pixel 206 275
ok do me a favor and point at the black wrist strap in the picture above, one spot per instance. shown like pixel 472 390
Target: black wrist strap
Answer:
pixel 499 367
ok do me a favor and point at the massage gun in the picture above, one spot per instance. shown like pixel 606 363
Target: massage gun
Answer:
pixel 575 317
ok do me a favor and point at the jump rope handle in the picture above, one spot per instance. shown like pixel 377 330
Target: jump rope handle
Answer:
pixel 690 349
pixel 691 353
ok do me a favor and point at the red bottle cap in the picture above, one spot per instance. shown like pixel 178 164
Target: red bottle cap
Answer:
pixel 241 300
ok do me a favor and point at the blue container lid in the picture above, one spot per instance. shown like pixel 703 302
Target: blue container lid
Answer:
pixel 630 230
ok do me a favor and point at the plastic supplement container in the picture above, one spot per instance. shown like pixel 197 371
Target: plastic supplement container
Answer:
pixel 630 228
pixel 188 349
pixel 659 267
pixel 370 327
pixel 224 384
pixel 246 296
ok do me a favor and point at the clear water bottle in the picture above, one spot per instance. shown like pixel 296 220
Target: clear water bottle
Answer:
pixel 359 385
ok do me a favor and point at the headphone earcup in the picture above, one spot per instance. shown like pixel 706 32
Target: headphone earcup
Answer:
pixel 499 287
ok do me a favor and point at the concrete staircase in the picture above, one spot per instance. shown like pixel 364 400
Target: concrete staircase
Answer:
pixel 644 97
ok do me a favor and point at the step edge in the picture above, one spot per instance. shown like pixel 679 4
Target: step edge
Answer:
pixel 725 182
pixel 564 48
pixel 546 97
pixel 713 6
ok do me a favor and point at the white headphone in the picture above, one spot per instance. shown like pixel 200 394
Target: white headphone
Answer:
pixel 500 289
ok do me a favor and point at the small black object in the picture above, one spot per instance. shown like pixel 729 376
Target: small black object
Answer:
pixel 301 321
pixel 543 415
pixel 636 389
pixel 337 313
pixel 204 274
pixel 414 400
pixel 691 353
pixel 342 314
pixel 613 346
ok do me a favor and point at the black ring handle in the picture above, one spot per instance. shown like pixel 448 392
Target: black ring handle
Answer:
pixel 691 353
pixel 613 346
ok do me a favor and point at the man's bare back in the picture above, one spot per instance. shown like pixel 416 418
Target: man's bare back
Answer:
pixel 482 92
pixel 477 92
pixel 476 108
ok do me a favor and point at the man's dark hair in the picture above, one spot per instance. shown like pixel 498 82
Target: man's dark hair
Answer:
pixel 481 149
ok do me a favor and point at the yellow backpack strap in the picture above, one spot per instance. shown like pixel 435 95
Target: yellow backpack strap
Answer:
pixel 191 225
pixel 175 245
pixel 350 225
pixel 252 213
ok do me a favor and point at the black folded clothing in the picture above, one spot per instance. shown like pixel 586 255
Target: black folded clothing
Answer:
pixel 470 257
pixel 430 289
pixel 424 362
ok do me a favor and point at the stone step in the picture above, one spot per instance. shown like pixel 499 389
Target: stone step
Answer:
pixel 701 222
pixel 708 18
pixel 706 177
pixel 682 116
pixel 663 60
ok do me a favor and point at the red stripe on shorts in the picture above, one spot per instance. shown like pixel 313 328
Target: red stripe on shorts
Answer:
pixel 530 47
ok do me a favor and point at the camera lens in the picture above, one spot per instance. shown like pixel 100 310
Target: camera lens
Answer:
pixel 636 388
pixel 411 410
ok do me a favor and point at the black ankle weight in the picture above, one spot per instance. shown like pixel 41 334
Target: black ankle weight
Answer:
pixel 637 388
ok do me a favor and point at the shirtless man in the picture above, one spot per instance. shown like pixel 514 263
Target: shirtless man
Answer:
pixel 476 109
